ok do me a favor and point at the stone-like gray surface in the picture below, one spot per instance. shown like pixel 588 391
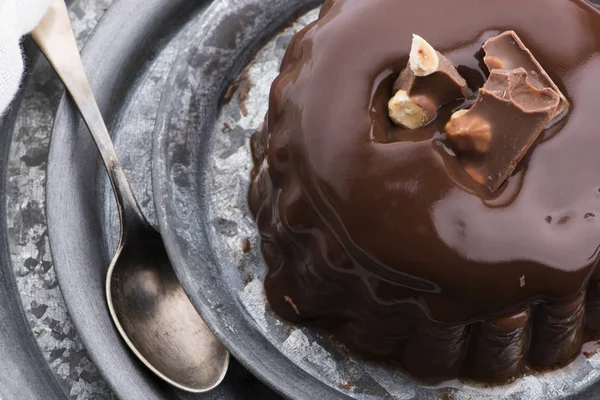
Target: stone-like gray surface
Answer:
pixel 28 239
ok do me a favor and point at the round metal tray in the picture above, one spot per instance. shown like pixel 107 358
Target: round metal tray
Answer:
pixel 201 176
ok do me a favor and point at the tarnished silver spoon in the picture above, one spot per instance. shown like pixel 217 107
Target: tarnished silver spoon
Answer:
pixel 146 300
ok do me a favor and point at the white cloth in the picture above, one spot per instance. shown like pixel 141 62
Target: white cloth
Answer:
pixel 17 18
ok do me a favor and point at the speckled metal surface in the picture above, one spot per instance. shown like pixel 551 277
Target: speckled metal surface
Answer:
pixel 28 236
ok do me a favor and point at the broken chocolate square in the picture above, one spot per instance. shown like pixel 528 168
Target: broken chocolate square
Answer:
pixel 498 130
pixel 507 51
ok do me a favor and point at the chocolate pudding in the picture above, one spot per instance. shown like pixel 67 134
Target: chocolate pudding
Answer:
pixel 384 235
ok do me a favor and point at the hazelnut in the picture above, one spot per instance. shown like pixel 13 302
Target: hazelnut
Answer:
pixel 417 97
pixel 475 174
pixel 405 112
pixel 469 133
pixel 423 59
pixel 494 62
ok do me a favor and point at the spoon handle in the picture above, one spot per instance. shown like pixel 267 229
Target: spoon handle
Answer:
pixel 54 35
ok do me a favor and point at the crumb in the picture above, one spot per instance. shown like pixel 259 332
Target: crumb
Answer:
pixel 347 386
pixel 226 128
pixel 244 90
pixel 291 303
pixel 231 91
pixel 246 245
pixel 590 349
pixel 522 281
pixel 564 220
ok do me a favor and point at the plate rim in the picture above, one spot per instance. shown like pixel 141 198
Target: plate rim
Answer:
pixel 271 366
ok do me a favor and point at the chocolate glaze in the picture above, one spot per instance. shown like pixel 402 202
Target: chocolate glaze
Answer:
pixel 378 233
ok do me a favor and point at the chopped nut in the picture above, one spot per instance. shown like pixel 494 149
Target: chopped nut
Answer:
pixel 469 135
pixel 246 245
pixel 429 81
pixel 423 59
pixel 475 174
pixel 494 63
pixel 403 111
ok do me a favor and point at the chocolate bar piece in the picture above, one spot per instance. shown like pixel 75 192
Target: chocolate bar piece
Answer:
pixel 508 116
pixel 507 51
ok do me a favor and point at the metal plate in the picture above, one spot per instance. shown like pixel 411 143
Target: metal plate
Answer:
pixel 201 173
pixel 127 59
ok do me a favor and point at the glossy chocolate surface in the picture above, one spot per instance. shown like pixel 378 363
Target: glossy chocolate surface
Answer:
pixel 378 232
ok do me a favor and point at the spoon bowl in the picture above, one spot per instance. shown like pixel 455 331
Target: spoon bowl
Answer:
pixel 146 301
pixel 157 320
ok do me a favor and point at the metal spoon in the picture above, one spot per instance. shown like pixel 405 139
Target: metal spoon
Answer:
pixel 146 300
